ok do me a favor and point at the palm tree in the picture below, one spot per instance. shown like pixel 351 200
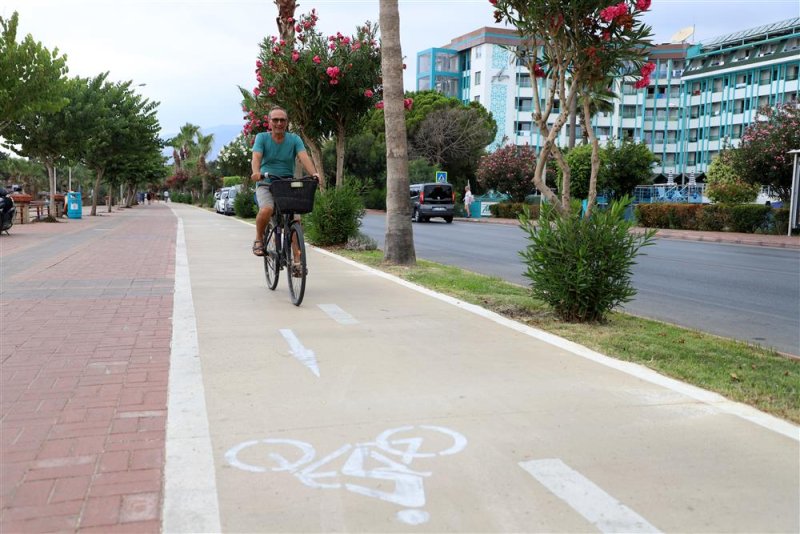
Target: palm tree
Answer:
pixel 286 11
pixel 203 147
pixel 399 237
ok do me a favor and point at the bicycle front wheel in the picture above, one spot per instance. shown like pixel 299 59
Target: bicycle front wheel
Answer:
pixel 271 257
pixel 296 274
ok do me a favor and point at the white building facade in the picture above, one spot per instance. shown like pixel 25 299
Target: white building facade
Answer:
pixel 700 96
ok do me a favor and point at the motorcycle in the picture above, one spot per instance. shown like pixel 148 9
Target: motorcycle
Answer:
pixel 7 211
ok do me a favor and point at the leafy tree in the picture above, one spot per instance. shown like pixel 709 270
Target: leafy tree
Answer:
pixel 579 160
pixel 31 77
pixel 509 169
pixel 399 240
pixel 724 185
pixel 627 166
pixel 579 44
pixel 234 158
pixel 762 158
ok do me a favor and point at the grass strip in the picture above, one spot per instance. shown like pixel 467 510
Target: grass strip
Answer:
pixel 739 371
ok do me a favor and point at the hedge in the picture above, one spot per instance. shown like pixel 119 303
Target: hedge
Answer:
pixel 746 218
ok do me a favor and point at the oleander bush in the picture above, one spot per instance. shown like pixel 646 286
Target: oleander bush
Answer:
pixel 582 267
pixel 512 210
pixel 747 218
pixel 336 216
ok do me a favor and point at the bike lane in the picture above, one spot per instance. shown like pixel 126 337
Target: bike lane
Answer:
pixel 376 406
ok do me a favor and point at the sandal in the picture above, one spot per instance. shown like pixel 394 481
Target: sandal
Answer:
pixel 258 248
pixel 297 269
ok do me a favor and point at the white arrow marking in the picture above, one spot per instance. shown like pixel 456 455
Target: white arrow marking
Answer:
pixel 304 355
pixel 585 497
pixel 338 314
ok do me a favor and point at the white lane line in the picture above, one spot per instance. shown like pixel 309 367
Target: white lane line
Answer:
pixel 190 487
pixel 585 497
pixel 338 314
pixel 743 411
pixel 304 355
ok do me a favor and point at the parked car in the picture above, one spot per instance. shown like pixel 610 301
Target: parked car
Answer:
pixel 232 192
pixel 432 200
pixel 221 200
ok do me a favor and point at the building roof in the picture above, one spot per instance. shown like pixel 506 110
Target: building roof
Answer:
pixel 768 30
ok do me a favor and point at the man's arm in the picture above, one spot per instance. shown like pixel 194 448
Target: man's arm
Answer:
pixel 255 166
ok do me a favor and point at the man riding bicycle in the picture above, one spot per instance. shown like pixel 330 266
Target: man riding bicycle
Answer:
pixel 274 154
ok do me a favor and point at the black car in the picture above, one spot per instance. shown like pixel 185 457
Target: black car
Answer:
pixel 432 200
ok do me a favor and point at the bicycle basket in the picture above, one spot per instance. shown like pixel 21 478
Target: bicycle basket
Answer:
pixel 294 195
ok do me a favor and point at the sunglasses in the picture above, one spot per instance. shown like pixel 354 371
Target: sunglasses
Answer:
pixel 278 120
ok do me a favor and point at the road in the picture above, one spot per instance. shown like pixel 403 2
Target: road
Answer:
pixel 736 291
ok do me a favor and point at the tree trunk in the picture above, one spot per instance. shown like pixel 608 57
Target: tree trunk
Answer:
pixel 285 10
pixel 399 242
pixel 573 122
pixel 98 177
pixel 340 139
pixel 595 159
pixel 316 157
pixel 51 174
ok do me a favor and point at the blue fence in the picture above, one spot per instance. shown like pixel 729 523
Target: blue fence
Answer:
pixel 673 193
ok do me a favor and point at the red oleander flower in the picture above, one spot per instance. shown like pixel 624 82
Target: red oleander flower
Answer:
pixel 272 91
pixel 379 105
pixel 295 55
pixel 316 60
pixel 368 93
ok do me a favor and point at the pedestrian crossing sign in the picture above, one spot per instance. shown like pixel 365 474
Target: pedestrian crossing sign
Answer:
pixel 441 176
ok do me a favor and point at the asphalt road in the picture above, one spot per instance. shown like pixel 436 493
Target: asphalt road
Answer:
pixel 742 292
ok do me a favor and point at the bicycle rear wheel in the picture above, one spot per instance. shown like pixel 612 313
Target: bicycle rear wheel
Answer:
pixel 271 256
pixel 297 272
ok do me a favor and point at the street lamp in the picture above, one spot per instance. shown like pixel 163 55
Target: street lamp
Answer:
pixel 794 193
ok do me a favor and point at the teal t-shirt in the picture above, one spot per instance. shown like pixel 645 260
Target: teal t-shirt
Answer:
pixel 278 158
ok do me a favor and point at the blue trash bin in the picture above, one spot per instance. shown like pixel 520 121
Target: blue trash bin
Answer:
pixel 74 205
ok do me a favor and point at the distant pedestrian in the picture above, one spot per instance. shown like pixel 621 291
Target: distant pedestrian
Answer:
pixel 166 196
pixel 468 198
pixel 149 197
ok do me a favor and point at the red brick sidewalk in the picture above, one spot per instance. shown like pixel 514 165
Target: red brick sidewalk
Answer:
pixel 86 328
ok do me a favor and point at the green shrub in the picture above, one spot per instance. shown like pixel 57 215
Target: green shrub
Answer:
pixel 749 218
pixel 713 218
pixel 512 210
pixel 207 201
pixel 780 221
pixel 337 215
pixel 230 181
pixel 244 205
pixel 183 198
pixel 582 267
pixel 375 198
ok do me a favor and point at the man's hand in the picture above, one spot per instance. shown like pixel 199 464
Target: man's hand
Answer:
pixel 256 176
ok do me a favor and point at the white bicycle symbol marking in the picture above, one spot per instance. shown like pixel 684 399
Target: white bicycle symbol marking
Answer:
pixel 409 490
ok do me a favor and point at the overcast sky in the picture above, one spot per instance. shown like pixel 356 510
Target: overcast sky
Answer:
pixel 192 54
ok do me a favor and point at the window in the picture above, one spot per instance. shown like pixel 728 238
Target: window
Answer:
pixel 691 158
pixel 523 79
pixel 477 51
pixel 477 99
pixel 603 131
pixel 478 78
pixel 737 131
pixel 628 112
pixel 522 127
pixel 524 104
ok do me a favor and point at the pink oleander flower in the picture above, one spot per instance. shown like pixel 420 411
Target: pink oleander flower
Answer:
pixel 538 71
pixel 259 64
pixel 379 105
pixel 295 55
pixel 332 46
pixel 643 5
pixel 647 69
pixel 493 2
pixel 408 103
pixel 333 81
pixel 290 20
pixel 333 72
pixel 356 45
pixel 331 38
pixel 316 60
pixel 368 93
pixel 272 91
pixel 298 28
pixel 256 91
pixel 606 35
pixel 642 83
pixel 610 13
pixel 346 41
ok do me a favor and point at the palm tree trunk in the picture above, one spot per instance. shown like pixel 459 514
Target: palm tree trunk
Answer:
pixel 399 242
pixel 51 174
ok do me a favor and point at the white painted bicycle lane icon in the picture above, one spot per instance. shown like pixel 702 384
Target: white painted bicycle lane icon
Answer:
pixel 387 458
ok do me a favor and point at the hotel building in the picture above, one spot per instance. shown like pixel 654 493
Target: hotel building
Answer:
pixel 701 96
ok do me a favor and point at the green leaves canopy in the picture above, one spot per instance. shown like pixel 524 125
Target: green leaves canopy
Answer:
pixel 31 77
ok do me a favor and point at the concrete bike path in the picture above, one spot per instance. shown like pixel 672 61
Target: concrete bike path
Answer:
pixel 378 407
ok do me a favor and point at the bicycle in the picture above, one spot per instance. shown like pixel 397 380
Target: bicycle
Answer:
pixel 291 197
